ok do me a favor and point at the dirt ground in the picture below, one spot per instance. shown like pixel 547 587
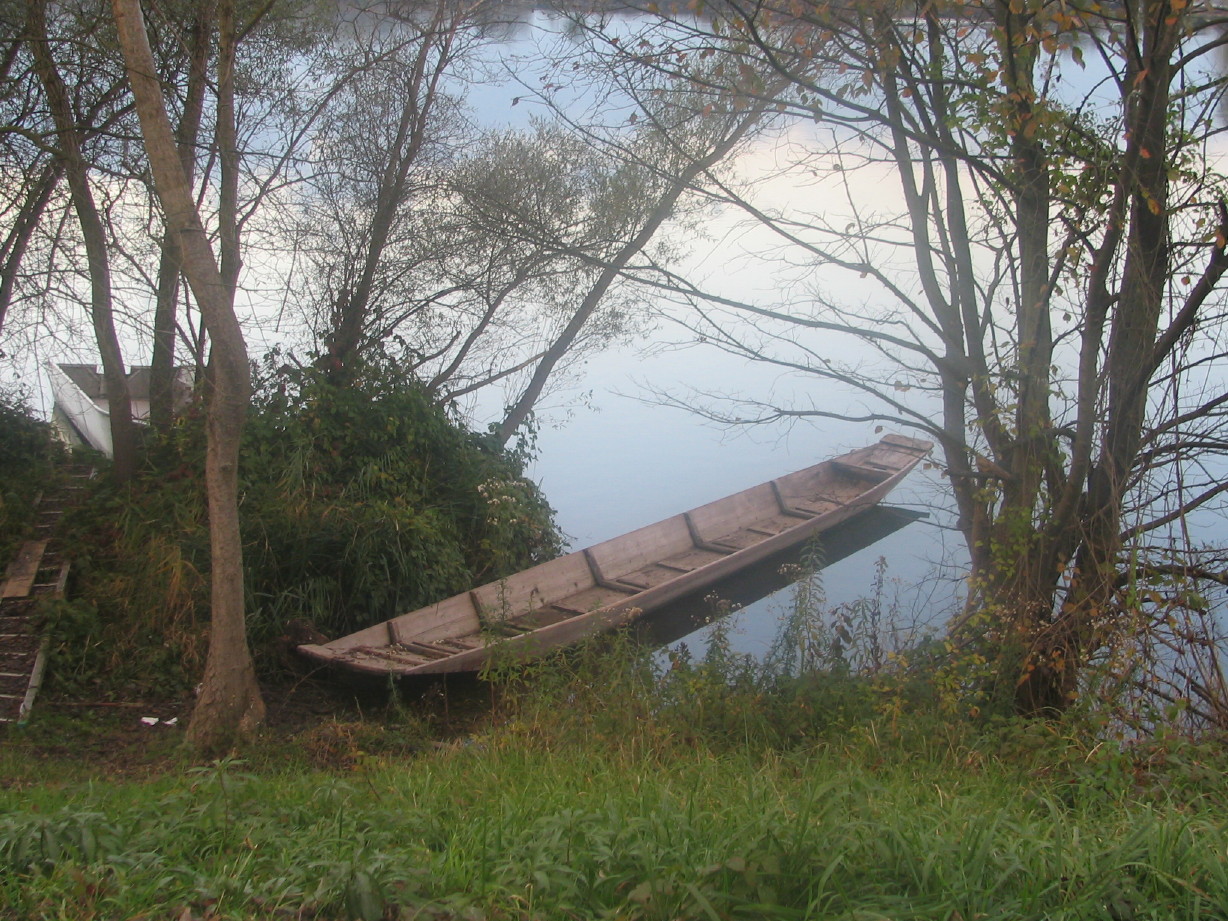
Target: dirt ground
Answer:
pixel 316 720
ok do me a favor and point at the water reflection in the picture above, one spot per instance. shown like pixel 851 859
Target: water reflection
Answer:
pixel 688 618
pixel 499 20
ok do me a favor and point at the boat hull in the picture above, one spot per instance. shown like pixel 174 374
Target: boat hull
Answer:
pixel 611 584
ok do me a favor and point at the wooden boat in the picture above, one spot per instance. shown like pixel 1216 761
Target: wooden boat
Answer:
pixel 611 584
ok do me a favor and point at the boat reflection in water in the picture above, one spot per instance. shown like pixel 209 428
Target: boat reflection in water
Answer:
pixel 690 615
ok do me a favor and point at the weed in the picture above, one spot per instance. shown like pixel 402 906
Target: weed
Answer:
pixel 828 669
pixel 338 745
pixel 598 830
pixel 597 792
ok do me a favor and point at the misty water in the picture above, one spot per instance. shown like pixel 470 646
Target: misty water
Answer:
pixel 617 462
pixel 610 458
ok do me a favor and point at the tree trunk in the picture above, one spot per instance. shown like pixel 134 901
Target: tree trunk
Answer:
pixel 162 376
pixel 93 233
pixel 353 305
pixel 519 411
pixel 1050 680
pixel 165 333
pixel 230 705
pixel 25 222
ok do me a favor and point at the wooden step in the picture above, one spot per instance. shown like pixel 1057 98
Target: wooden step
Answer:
pixel 21 572
pixel 37 572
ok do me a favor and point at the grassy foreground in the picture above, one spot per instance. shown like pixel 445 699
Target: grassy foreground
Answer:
pixel 514 822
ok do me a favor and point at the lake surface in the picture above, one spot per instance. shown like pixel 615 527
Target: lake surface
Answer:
pixel 611 458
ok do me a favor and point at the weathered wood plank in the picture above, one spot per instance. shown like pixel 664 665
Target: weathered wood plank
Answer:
pixel 517 595
pixel 590 600
pixel 867 470
pixel 19 576
pixel 643 546
pixel 730 514
pixel 742 538
pixel 692 559
pixel 451 617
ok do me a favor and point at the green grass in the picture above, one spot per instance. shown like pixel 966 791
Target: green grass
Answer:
pixel 516 825
pixel 609 784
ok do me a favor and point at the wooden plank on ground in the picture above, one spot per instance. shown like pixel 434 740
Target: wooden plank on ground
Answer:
pixel 21 572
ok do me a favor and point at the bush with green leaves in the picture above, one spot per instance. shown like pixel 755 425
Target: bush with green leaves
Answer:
pixel 358 502
pixel 830 668
pixel 368 500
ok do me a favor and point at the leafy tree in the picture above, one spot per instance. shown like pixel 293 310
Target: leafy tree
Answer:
pixel 1044 303
pixel 479 260
pixel 32 171
pixel 377 149
pixel 360 501
pixel 366 499
pixel 247 160
pixel 28 455
pixel 637 195
pixel 197 47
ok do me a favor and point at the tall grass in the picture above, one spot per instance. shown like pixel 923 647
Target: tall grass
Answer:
pixel 496 829
pixel 825 783
pixel 609 785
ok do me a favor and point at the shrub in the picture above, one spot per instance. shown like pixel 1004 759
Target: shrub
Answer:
pixel 357 503
pixel 830 669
